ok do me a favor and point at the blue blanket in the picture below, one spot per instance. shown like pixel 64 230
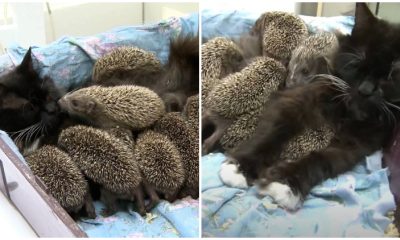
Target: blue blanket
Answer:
pixel 232 24
pixel 69 60
pixel 352 205
pixel 178 219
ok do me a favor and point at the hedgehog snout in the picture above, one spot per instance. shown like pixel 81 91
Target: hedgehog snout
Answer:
pixel 62 102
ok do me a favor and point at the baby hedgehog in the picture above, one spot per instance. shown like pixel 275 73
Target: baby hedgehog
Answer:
pixel 62 177
pixel 123 134
pixel 177 130
pixel 306 142
pixel 220 57
pixel 281 33
pixel 237 96
pixel 131 107
pixel 130 65
pixel 247 90
pixel 106 160
pixel 313 56
pixel 191 112
pixel 240 130
pixel 160 163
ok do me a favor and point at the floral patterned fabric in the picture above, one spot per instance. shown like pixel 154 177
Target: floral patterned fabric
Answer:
pixel 178 219
pixel 69 60
pixel 353 204
pixel 234 23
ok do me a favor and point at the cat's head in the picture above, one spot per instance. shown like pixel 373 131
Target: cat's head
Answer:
pixel 369 61
pixel 27 102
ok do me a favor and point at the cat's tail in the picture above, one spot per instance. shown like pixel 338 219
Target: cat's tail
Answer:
pixel 183 64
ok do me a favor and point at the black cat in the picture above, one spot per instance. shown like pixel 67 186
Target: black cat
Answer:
pixel 28 105
pixel 360 102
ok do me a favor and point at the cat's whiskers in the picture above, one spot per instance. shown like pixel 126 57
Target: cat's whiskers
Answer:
pixel 335 80
pixel 387 105
pixel 22 134
pixel 25 129
pixel 42 129
pixel 337 88
pixel 344 97
pixel 351 62
pixel 358 53
pixel 25 135
pixel 392 105
pixel 388 113
pixel 37 131
pixel 29 135
pixel 33 132
pixel 358 56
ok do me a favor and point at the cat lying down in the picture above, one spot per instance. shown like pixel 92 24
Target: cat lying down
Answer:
pixel 360 99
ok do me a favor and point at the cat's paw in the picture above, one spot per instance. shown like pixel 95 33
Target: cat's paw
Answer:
pixel 231 176
pixel 282 194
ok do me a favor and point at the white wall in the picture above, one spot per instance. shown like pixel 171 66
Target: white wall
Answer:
pixel 28 25
pixel 84 19
pixel 39 23
pixel 337 9
pixel 389 11
pixel 154 12
pixel 252 6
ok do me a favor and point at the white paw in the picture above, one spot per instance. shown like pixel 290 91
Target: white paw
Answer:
pixel 282 195
pixel 231 176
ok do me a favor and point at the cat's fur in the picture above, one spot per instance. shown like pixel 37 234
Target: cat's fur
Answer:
pixel 28 104
pixel 360 104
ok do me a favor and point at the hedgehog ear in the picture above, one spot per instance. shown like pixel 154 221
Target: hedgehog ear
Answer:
pixel 90 105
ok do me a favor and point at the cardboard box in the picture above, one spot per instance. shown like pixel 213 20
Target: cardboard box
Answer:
pixel 29 195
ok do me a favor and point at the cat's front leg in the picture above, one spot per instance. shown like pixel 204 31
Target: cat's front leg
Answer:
pixel 290 182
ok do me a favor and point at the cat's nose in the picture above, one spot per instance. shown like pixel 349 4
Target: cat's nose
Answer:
pixel 366 88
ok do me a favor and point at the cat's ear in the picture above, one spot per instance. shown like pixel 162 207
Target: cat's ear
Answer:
pixel 363 17
pixel 26 65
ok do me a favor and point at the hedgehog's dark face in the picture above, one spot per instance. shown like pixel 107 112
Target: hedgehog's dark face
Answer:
pixel 28 104
pixel 78 104
pixel 369 62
